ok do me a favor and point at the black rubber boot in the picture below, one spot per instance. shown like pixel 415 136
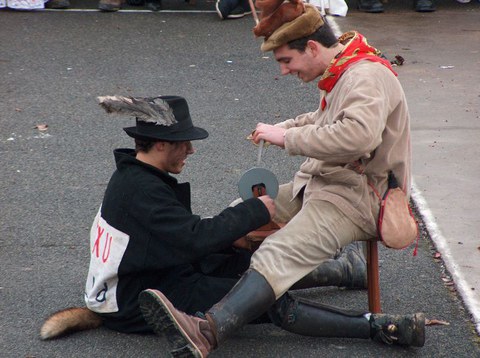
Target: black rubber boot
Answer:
pixel 424 6
pixel 348 269
pixel 373 6
pixel 406 330
pixel 248 299
pixel 308 318
pixel 302 316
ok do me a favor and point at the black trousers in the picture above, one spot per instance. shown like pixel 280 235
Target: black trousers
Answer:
pixel 212 278
pixel 218 274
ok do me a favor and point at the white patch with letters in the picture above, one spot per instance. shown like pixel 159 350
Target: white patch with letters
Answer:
pixel 107 247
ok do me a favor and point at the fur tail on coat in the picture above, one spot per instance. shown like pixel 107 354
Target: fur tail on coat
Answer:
pixel 69 320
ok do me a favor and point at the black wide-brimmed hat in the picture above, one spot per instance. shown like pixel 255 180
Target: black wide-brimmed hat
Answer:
pixel 164 118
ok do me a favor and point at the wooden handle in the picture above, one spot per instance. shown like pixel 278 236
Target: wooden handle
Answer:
pixel 374 305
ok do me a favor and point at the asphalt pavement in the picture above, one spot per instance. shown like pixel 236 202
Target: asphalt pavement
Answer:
pixel 53 65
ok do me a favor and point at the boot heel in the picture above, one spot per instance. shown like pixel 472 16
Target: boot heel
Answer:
pixel 187 336
pixel 160 319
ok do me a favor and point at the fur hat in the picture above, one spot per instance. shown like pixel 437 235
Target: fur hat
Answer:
pixel 282 32
pixel 164 118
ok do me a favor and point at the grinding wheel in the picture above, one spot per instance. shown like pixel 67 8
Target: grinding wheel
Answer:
pixel 257 177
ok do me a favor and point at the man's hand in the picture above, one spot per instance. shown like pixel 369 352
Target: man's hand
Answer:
pixel 269 133
pixel 249 243
pixel 269 204
pixel 244 243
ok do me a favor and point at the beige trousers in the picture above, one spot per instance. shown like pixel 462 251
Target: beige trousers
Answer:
pixel 312 235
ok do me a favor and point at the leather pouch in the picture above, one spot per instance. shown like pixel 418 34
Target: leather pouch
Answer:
pixel 397 227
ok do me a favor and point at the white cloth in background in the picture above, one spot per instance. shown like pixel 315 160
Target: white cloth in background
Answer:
pixel 23 4
pixel 330 7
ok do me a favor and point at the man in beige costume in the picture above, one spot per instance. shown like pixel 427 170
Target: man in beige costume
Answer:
pixel 359 133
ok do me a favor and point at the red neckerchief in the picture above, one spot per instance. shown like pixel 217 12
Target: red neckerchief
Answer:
pixel 356 49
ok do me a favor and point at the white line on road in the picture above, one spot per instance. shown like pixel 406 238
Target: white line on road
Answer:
pixel 472 303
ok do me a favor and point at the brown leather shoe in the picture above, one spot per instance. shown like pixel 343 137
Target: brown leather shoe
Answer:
pixel 188 336
pixel 110 5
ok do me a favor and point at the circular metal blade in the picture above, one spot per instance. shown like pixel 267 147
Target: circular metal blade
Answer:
pixel 257 176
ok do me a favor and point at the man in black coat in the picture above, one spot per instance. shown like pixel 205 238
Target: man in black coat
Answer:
pixel 157 241
pixel 145 235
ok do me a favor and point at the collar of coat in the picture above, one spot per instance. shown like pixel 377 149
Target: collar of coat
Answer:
pixel 356 49
pixel 125 157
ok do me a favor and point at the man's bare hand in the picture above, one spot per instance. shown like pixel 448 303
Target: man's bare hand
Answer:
pixel 269 133
pixel 269 204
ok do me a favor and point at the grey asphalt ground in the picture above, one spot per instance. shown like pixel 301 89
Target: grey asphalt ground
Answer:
pixel 54 64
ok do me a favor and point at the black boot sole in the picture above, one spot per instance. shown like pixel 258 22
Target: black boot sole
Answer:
pixel 160 318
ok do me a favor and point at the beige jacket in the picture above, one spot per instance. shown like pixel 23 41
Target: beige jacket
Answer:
pixel 366 119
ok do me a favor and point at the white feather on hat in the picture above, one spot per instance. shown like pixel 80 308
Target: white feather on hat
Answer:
pixel 150 110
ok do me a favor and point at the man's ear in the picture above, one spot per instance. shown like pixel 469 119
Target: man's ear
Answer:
pixel 313 47
pixel 159 146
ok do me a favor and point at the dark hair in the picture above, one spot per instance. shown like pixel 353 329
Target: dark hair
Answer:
pixel 142 145
pixel 323 35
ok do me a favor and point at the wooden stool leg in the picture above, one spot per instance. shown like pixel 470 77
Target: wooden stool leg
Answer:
pixel 373 277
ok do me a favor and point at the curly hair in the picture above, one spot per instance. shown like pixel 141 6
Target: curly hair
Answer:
pixel 142 145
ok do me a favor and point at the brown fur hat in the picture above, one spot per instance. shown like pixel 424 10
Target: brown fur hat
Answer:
pixel 291 28
pixel 273 19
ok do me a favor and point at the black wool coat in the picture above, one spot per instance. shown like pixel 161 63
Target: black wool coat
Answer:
pixel 165 243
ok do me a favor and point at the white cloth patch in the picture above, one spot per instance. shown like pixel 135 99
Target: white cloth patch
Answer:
pixel 107 247
pixel 23 4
